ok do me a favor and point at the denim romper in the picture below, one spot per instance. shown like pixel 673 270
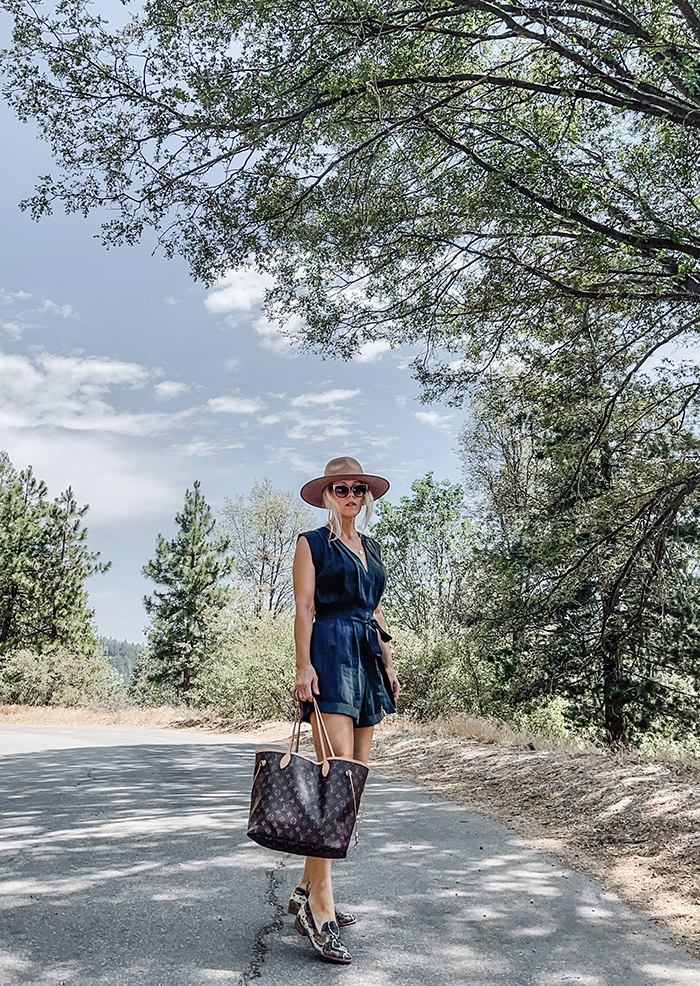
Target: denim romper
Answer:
pixel 345 650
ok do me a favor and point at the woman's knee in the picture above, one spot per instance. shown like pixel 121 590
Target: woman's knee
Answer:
pixel 362 743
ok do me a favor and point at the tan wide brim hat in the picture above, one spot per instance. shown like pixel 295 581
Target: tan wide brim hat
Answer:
pixel 343 468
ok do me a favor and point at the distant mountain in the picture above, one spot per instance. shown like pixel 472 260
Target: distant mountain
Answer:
pixel 122 655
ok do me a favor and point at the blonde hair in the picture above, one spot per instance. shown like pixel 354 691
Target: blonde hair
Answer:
pixel 334 518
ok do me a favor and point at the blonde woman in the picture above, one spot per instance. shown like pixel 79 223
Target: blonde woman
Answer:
pixel 343 657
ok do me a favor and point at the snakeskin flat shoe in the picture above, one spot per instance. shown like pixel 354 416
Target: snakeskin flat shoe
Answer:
pixel 299 898
pixel 326 941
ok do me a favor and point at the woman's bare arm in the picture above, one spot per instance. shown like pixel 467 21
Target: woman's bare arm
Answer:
pixel 306 682
pixel 386 654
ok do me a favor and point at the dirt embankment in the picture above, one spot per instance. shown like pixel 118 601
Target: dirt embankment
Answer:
pixel 632 823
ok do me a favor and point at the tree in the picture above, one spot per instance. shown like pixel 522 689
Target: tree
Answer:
pixel 44 563
pixel 445 174
pixel 8 473
pixel 60 598
pixel 586 584
pixel 123 655
pixel 263 535
pixel 23 508
pixel 426 545
pixel 190 569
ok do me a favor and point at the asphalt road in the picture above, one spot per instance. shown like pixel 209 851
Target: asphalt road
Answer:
pixel 124 860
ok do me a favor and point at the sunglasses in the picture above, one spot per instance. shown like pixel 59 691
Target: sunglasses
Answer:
pixel 341 490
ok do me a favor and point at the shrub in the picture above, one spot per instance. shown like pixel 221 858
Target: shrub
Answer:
pixel 143 687
pixel 251 668
pixel 439 675
pixel 57 676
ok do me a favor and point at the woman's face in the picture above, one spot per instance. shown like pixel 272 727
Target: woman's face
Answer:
pixel 349 505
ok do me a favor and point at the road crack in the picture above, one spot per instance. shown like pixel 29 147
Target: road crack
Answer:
pixel 260 945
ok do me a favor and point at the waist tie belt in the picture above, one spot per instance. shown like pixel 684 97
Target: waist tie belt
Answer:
pixel 368 623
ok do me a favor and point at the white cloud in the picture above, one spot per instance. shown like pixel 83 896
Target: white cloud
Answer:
pixel 317 429
pixel 274 337
pixel 240 290
pixel 9 296
pixel 371 351
pixel 270 419
pixel 71 393
pixel 119 484
pixel 171 301
pixel 201 446
pixel 294 460
pixel 92 374
pixel 400 400
pixel 433 419
pixel 234 405
pixel 65 311
pixel 17 319
pixel 379 441
pixel 327 397
pixel 167 389
pixel 232 363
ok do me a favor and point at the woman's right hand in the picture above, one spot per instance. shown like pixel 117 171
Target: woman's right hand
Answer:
pixel 305 684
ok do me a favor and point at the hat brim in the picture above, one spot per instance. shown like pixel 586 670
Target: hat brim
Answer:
pixel 312 492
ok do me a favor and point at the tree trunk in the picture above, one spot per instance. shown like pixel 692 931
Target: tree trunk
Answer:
pixel 614 708
pixel 186 684
pixel 7 622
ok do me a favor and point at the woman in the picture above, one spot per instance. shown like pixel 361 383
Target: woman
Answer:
pixel 343 657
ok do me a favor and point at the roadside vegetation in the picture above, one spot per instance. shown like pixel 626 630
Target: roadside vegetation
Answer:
pixel 517 609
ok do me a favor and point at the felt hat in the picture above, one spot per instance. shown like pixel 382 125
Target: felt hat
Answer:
pixel 344 467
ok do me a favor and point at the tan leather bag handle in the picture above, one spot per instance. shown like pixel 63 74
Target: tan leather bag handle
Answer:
pixel 326 745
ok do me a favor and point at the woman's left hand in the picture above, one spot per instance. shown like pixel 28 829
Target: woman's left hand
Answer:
pixel 394 682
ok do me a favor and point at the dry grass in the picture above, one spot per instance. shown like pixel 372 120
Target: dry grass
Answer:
pixel 482 729
pixel 165 717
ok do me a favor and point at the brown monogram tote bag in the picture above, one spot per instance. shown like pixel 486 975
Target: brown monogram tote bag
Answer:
pixel 304 807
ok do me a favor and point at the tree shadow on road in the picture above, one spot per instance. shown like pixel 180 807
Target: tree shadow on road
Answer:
pixel 129 864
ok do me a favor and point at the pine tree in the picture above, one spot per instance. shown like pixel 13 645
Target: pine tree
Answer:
pixel 8 473
pixel 61 612
pixel 44 562
pixel 22 509
pixel 190 568
pixel 123 655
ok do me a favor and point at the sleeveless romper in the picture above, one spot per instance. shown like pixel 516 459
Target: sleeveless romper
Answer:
pixel 345 651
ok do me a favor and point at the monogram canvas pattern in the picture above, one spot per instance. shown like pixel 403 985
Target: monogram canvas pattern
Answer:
pixel 296 809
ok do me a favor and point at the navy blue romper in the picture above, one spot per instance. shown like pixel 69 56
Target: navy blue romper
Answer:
pixel 345 650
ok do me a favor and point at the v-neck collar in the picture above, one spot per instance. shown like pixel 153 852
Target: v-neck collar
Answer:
pixel 354 554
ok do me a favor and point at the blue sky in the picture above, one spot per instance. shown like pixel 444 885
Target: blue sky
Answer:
pixel 123 378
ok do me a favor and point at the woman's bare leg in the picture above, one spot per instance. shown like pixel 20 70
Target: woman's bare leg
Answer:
pixel 316 877
pixel 362 743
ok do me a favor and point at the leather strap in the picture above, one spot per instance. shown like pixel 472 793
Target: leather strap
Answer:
pixel 319 716
pixel 326 745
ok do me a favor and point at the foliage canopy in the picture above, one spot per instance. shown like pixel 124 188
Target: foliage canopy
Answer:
pixel 445 173
pixel 587 573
